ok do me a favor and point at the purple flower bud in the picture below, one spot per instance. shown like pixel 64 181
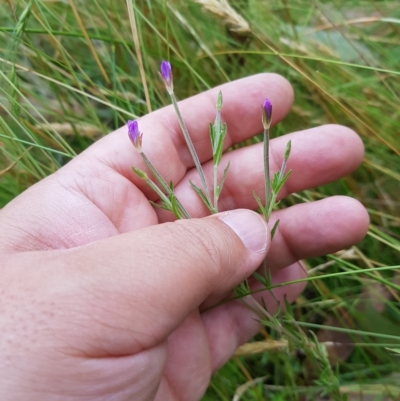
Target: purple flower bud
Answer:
pixel 134 135
pixel 267 113
pixel 166 75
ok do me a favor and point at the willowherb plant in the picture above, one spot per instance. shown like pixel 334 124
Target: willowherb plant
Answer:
pixel 218 131
pixel 166 75
pixel 271 188
pixel 169 202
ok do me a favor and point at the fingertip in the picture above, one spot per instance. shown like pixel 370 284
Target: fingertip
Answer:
pixel 349 142
pixel 250 227
pixel 355 219
pixel 317 228
pixel 342 222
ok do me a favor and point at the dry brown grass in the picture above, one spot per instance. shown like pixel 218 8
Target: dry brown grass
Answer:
pixel 222 9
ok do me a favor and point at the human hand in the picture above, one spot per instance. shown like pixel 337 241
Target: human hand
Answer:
pixel 100 301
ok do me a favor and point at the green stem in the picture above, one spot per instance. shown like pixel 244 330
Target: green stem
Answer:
pixel 217 127
pixel 271 204
pixel 158 191
pixel 255 306
pixel 163 184
pixel 191 147
pixel 215 188
pixel 268 201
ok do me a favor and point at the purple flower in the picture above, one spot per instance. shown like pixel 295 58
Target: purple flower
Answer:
pixel 134 135
pixel 267 113
pixel 166 75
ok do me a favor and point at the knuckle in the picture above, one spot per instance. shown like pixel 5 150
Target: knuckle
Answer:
pixel 201 244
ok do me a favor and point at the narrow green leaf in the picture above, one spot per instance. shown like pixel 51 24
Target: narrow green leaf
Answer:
pixel 269 277
pixel 219 149
pixel 218 154
pixel 275 181
pixel 282 181
pixel 260 278
pixel 264 305
pixel 212 136
pixel 221 184
pixel 202 196
pixel 277 312
pixel 288 307
pixel 260 205
pixel 175 208
pixel 273 231
pixel 242 289
pixel 157 205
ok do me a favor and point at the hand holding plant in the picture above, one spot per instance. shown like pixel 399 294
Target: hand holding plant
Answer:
pixel 218 132
pixel 109 303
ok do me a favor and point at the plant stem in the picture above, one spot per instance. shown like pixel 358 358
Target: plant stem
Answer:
pixel 158 191
pixel 215 188
pixel 255 306
pixel 268 201
pixel 271 204
pixel 216 139
pixel 163 184
pixel 191 147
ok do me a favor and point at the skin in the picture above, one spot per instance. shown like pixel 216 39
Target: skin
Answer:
pixel 99 301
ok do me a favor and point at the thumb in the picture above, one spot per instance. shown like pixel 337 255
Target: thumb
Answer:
pixel 149 280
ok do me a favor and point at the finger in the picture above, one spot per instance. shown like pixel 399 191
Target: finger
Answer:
pixel 163 141
pixel 318 156
pixel 102 176
pixel 232 324
pixel 211 338
pixel 168 269
pixel 316 228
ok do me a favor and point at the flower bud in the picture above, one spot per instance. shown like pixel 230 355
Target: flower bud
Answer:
pixel 140 173
pixel 166 75
pixel 287 151
pixel 266 113
pixel 134 135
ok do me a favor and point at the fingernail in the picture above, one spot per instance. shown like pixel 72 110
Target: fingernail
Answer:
pixel 250 227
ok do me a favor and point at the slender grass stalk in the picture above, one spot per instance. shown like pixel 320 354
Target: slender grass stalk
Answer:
pixel 136 41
